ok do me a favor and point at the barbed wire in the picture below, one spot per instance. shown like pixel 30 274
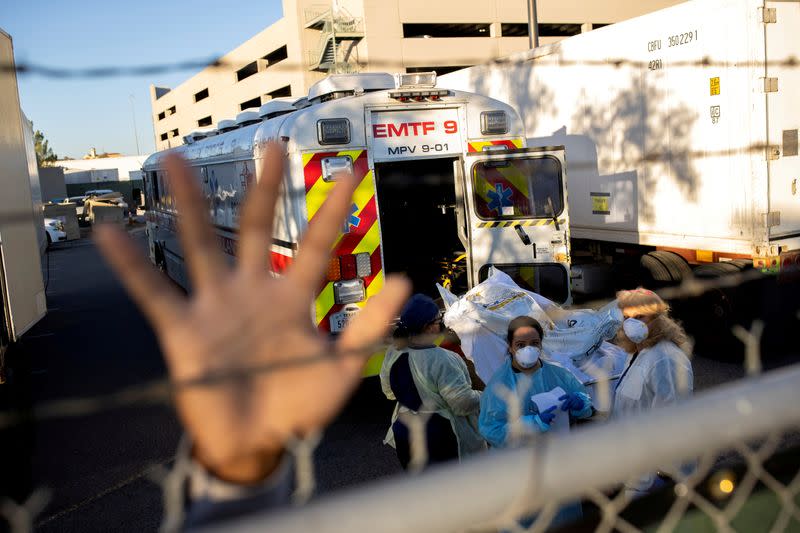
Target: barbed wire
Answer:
pixel 29 68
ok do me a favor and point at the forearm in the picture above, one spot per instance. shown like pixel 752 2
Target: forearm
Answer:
pixel 246 485
pixel 466 402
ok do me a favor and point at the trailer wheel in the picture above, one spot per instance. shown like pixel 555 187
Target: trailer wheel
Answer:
pixel 678 266
pixel 716 270
pixel 715 315
pixel 742 264
pixel 664 268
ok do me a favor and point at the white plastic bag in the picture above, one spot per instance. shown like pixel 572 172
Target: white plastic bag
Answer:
pixel 575 339
pixel 480 318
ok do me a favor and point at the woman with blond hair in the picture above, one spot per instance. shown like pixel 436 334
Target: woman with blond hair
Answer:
pixel 659 371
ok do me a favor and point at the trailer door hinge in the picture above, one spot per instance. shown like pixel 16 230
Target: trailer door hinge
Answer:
pixel 769 15
pixel 770 85
pixel 773 219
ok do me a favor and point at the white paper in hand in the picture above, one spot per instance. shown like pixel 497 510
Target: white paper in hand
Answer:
pixel 546 400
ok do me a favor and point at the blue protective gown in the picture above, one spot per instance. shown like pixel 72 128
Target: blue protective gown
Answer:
pixel 493 421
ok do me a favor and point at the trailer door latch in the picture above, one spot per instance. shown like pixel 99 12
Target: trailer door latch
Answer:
pixel 769 15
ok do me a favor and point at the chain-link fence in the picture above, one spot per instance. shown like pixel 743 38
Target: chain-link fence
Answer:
pixel 737 439
pixel 731 454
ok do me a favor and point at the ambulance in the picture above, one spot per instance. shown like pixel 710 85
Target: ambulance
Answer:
pixel 444 175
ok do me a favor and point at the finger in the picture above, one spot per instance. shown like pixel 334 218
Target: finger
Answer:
pixel 315 248
pixel 372 324
pixel 563 397
pixel 550 409
pixel 198 239
pixel 160 301
pixel 255 229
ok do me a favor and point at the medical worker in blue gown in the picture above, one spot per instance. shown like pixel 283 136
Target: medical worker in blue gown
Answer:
pixel 524 374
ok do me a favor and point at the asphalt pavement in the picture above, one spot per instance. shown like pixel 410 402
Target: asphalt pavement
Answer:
pixel 98 460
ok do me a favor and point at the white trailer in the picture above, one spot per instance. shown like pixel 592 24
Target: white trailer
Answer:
pixel 21 286
pixel 681 136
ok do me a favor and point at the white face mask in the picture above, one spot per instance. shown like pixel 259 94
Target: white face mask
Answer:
pixel 635 329
pixel 527 356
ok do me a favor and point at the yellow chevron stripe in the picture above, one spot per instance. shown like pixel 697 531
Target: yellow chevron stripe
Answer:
pixel 324 302
pixel 376 285
pixel 306 158
pixel 517 142
pixel 374 364
pixel 478 146
pixel 370 241
pixel 354 154
pixel 317 196
pixel 364 192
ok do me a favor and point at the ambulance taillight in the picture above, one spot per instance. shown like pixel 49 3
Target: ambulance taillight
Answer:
pixel 351 266
pixel 347 273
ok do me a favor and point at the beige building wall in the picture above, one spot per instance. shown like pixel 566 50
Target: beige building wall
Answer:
pixel 383 47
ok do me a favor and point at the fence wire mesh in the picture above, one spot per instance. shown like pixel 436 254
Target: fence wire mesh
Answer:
pixel 744 475
pixel 741 442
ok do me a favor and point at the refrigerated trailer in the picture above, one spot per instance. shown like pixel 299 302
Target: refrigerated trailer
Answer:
pixel 681 136
pixel 21 286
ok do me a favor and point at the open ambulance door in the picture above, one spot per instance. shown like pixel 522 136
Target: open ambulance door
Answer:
pixel 516 218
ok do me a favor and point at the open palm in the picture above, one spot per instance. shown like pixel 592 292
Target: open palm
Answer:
pixel 251 369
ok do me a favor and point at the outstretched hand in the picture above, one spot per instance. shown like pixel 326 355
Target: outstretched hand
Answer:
pixel 251 370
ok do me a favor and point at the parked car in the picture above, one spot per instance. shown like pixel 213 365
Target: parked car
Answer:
pixel 77 200
pixel 55 230
pixel 98 192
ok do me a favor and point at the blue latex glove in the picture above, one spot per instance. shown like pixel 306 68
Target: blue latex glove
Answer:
pixel 572 401
pixel 547 416
pixel 541 421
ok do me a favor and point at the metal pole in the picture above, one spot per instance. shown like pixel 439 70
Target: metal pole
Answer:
pixel 135 133
pixel 533 25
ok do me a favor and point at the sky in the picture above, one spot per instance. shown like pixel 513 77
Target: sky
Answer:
pixel 78 114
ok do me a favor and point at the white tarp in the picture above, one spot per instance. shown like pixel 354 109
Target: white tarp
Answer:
pixel 575 339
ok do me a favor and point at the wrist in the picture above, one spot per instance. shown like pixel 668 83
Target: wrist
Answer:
pixel 248 469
